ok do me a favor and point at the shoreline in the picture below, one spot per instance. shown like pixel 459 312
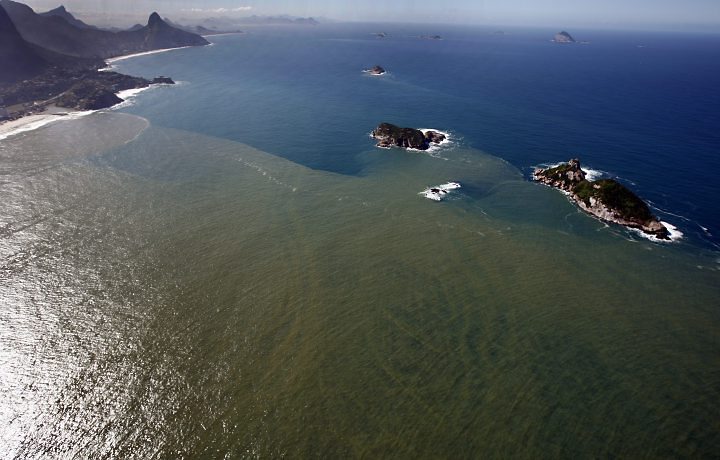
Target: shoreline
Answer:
pixel 144 53
pixel 52 113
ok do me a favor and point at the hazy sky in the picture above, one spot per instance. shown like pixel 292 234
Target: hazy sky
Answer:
pixel 556 13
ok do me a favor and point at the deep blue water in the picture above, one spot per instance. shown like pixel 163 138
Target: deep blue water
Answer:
pixel 639 106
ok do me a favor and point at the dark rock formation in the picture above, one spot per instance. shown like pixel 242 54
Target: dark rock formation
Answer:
pixel 375 70
pixel 163 80
pixel 389 135
pixel 55 33
pixel 606 199
pixel 563 37
pixel 88 95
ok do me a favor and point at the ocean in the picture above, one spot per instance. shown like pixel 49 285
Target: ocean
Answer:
pixel 229 267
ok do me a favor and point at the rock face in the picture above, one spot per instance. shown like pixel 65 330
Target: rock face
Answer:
pixel 389 135
pixel 564 37
pixel 606 199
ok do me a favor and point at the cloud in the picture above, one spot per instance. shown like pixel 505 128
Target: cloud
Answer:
pixel 219 10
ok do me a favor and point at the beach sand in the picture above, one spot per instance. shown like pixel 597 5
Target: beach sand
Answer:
pixel 51 114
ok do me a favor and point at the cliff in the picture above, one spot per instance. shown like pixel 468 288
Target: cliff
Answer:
pixel 606 199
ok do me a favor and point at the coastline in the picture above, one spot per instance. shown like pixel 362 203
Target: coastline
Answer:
pixel 52 113
pixel 144 53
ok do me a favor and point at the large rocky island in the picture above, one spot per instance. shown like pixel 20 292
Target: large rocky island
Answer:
pixel 389 135
pixel 606 199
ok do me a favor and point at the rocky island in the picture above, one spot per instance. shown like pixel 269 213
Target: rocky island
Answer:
pixel 606 199
pixel 563 37
pixel 389 135
pixel 375 70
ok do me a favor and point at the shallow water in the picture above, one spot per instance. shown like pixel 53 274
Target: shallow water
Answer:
pixel 170 293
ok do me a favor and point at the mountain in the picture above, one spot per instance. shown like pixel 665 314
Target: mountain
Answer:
pixel 158 34
pixel 217 24
pixel 200 30
pixel 20 60
pixel 60 11
pixel 55 33
pixel 17 59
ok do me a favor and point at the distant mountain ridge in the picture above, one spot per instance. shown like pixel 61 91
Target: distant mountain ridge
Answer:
pixel 60 11
pixel 56 33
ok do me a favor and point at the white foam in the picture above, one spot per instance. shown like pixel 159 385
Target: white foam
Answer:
pixel 434 148
pixel 592 174
pixel 675 235
pixel 128 96
pixel 374 74
pixel 438 192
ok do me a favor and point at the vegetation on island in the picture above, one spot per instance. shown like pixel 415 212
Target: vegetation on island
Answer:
pixel 607 199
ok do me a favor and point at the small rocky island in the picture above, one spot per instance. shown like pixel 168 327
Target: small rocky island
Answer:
pixel 389 135
pixel 563 37
pixel 606 199
pixel 375 70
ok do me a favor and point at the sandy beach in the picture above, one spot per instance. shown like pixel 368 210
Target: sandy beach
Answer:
pixel 51 114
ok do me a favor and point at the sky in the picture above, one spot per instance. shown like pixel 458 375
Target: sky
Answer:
pixel 555 13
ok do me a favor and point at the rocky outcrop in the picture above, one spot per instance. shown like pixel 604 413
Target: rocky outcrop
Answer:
pixel 162 81
pixel 389 135
pixel 563 37
pixel 606 199
pixel 375 70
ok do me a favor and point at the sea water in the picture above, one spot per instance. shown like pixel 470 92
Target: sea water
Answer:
pixel 230 267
